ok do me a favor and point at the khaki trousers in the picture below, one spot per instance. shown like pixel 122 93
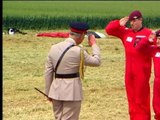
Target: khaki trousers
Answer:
pixel 66 110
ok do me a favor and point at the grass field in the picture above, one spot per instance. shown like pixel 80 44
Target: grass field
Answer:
pixel 23 67
pixel 57 14
pixel 79 8
pixel 24 57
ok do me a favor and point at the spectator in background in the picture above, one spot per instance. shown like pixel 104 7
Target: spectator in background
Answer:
pixel 156 87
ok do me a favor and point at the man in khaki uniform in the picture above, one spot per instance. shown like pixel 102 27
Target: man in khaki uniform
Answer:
pixel 63 83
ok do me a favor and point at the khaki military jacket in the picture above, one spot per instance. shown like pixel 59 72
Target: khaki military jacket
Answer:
pixel 67 89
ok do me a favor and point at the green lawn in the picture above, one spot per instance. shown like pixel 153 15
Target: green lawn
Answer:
pixel 23 67
pixel 79 8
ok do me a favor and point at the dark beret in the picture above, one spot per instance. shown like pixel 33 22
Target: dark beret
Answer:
pixel 79 27
pixel 135 15
pixel 158 33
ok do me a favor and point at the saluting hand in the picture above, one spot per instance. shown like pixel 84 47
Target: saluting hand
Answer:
pixel 123 21
pixel 91 40
pixel 152 36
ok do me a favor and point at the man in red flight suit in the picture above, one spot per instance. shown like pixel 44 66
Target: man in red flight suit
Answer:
pixel 138 63
pixel 156 87
pixel 154 42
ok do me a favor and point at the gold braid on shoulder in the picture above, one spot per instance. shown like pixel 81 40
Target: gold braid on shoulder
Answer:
pixel 81 67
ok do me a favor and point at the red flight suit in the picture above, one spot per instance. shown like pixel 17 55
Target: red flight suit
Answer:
pixel 156 87
pixel 156 60
pixel 138 69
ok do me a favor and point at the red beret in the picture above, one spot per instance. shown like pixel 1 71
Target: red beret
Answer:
pixel 79 27
pixel 135 14
pixel 158 33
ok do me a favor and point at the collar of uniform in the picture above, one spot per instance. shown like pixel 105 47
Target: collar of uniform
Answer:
pixel 71 41
pixel 139 29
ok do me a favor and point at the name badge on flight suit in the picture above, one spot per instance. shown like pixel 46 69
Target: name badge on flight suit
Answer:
pixel 157 54
pixel 129 39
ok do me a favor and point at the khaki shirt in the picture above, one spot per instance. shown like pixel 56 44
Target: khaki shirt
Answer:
pixel 69 89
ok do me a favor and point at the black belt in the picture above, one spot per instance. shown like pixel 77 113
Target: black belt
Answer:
pixel 73 75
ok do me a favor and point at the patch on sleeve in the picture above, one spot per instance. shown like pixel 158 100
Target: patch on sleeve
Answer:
pixel 129 39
